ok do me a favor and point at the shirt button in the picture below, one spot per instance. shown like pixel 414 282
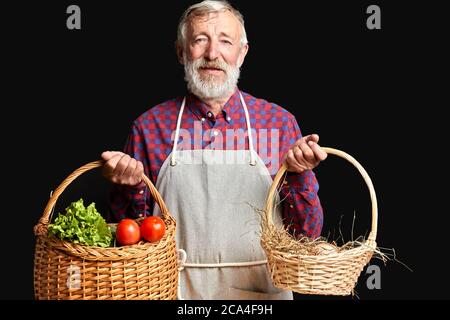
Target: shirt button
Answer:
pixel 209 114
pixel 228 118
pixel 291 206
pixel 141 215
pixel 216 133
pixel 203 119
pixel 141 192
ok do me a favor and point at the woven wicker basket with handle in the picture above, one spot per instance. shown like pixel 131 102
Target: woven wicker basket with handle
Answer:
pixel 69 271
pixel 324 274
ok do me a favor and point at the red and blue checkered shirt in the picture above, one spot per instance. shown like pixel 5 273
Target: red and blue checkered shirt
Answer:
pixel 151 142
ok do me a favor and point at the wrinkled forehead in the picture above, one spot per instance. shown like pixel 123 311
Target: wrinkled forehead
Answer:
pixel 223 21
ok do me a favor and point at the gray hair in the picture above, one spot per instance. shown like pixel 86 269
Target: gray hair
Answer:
pixel 204 8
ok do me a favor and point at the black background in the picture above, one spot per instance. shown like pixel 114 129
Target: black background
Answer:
pixel 379 95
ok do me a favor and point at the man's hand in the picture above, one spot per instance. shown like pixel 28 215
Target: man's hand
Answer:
pixel 305 154
pixel 121 169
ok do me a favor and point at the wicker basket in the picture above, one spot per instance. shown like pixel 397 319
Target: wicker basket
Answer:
pixel 69 271
pixel 327 274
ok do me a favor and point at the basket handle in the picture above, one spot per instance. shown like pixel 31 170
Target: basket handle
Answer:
pixel 349 158
pixel 44 220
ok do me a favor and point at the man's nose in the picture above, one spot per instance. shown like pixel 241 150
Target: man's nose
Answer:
pixel 212 52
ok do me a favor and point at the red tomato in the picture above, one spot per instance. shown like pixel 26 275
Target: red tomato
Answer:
pixel 128 232
pixel 153 228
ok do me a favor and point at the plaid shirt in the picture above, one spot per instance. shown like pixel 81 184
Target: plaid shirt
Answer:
pixel 274 131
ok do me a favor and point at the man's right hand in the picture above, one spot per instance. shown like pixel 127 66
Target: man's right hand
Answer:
pixel 122 169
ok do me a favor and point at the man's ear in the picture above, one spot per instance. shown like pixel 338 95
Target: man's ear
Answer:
pixel 242 54
pixel 180 52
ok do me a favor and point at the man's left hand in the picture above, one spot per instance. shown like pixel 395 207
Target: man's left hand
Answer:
pixel 305 154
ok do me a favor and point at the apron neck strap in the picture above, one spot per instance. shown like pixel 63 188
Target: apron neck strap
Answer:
pixel 173 161
pixel 249 129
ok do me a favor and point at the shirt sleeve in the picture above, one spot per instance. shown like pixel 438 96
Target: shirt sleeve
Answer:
pixel 132 202
pixel 302 211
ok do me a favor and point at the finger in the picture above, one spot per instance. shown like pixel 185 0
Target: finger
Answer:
pixel 109 167
pixel 107 155
pixel 300 141
pixel 128 173
pixel 308 154
pixel 138 172
pixel 111 164
pixel 139 169
pixel 319 153
pixel 293 164
pixel 312 137
pixel 298 155
pixel 122 165
pixel 306 139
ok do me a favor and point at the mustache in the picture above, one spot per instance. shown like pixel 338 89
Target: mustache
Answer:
pixel 216 64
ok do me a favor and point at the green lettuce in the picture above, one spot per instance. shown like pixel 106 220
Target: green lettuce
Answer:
pixel 82 225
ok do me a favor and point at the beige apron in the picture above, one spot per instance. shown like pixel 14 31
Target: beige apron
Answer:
pixel 212 194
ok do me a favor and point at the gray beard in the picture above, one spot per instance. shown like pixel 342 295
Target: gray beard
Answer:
pixel 210 88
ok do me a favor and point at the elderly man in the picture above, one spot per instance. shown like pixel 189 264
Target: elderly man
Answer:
pixel 212 155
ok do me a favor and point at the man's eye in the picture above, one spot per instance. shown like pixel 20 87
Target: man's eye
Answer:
pixel 226 42
pixel 200 40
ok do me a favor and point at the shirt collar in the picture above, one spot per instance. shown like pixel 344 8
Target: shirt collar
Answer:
pixel 200 108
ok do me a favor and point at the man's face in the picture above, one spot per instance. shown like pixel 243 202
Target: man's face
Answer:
pixel 213 54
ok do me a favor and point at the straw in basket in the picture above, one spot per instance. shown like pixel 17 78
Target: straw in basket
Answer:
pixel 334 273
pixel 69 271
